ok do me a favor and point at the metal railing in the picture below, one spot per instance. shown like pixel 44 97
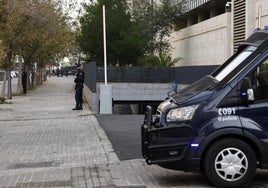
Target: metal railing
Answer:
pixel 136 74
pixel 181 75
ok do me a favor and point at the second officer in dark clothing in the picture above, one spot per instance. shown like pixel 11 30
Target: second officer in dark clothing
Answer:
pixel 79 84
pixel 24 81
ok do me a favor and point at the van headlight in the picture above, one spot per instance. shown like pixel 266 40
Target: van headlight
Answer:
pixel 181 114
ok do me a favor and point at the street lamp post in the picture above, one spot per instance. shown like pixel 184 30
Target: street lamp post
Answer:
pixel 105 90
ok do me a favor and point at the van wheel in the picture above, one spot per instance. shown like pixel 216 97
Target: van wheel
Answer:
pixel 230 163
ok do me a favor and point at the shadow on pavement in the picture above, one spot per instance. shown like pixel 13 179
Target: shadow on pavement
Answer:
pixel 124 133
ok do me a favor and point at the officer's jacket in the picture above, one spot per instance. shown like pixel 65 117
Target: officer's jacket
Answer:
pixel 79 80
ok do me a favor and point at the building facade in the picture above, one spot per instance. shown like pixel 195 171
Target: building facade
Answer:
pixel 210 30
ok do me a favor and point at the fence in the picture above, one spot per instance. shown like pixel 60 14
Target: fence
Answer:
pixel 181 75
pixel 136 74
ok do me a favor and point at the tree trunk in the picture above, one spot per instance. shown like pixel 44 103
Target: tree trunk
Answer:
pixel 19 84
pixel 3 94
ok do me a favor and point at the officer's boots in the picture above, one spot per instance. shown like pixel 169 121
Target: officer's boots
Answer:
pixel 78 107
pixel 75 108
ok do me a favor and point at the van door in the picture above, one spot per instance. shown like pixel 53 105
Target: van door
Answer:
pixel 254 116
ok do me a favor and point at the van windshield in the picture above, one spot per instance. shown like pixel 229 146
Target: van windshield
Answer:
pixel 227 69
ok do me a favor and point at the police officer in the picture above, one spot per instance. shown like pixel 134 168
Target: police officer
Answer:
pixel 24 81
pixel 79 82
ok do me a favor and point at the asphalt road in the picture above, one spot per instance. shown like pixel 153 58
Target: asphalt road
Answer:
pixel 124 133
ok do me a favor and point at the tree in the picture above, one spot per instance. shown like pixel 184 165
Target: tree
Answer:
pixel 8 33
pixel 157 22
pixel 2 66
pixel 35 30
pixel 124 44
pixel 135 34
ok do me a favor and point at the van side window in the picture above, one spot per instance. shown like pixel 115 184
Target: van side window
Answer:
pixel 260 81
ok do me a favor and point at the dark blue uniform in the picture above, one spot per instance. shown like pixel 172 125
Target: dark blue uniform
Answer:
pixel 79 84
pixel 24 81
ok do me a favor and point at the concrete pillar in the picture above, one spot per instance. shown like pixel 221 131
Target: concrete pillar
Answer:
pixel 106 104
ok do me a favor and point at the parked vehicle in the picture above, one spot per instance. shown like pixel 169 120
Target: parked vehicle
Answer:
pixel 70 70
pixel 218 125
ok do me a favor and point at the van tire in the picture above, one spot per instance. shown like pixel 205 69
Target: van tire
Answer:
pixel 230 163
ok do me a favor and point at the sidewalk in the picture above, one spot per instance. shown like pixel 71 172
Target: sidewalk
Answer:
pixel 43 143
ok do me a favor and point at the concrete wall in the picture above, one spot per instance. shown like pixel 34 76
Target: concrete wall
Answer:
pixel 253 7
pixel 250 17
pixel 263 4
pixel 211 42
pixel 91 98
pixel 205 43
pixel 140 91
pixel 133 92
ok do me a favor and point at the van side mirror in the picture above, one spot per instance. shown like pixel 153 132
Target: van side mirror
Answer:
pixel 247 91
pixel 250 94
pixel 243 95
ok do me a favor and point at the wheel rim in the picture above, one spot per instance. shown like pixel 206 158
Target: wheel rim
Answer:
pixel 231 164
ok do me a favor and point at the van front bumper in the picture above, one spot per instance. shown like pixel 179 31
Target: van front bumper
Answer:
pixel 165 145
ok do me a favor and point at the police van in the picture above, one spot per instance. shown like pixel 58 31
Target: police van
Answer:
pixel 219 124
